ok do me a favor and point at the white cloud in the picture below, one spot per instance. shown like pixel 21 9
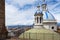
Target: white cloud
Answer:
pixel 58 0
pixel 24 22
pixel 51 7
pixel 21 2
pixel 10 14
pixel 53 0
pixel 15 16
pixel 57 17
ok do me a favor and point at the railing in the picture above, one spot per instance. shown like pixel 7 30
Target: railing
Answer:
pixel 39 36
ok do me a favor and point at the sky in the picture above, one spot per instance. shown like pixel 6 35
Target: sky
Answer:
pixel 21 12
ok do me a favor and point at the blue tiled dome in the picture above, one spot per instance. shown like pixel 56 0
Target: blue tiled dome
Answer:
pixel 47 16
pixel 38 13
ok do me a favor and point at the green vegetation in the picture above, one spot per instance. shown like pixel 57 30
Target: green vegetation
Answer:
pixel 40 34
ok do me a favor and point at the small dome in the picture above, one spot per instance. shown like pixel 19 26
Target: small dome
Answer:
pixel 38 13
pixel 47 16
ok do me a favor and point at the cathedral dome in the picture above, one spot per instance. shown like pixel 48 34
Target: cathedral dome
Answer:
pixel 39 34
pixel 47 16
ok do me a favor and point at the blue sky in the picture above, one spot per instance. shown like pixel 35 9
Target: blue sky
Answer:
pixel 21 12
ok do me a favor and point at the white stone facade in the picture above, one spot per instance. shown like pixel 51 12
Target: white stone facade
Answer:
pixel 38 24
pixel 47 19
pixel 52 25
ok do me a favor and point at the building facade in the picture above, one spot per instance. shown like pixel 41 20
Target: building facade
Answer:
pixel 44 19
pixel 3 30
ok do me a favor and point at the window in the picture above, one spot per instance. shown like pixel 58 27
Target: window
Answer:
pixel 52 27
pixel 37 19
pixel 40 19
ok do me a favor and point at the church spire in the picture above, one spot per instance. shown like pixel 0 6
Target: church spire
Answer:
pixel 38 8
pixel 43 1
pixel 44 6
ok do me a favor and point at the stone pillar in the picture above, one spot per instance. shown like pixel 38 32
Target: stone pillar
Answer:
pixel 35 20
pixel 38 19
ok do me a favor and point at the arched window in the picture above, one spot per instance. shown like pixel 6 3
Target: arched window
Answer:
pixel 40 19
pixel 37 19
pixel 52 27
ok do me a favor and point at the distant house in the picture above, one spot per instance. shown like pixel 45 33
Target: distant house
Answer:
pixel 11 34
pixel 15 32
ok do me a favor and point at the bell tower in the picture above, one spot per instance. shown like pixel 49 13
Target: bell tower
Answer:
pixel 38 20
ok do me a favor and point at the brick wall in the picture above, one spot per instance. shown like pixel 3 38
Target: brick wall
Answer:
pixel 3 31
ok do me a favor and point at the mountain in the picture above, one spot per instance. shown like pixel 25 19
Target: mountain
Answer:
pixel 19 26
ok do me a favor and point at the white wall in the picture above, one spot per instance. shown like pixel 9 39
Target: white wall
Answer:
pixel 46 26
pixel 55 27
pixel 49 26
pixel 38 25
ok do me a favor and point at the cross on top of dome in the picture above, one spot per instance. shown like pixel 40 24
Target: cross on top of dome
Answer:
pixel 44 2
pixel 46 14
